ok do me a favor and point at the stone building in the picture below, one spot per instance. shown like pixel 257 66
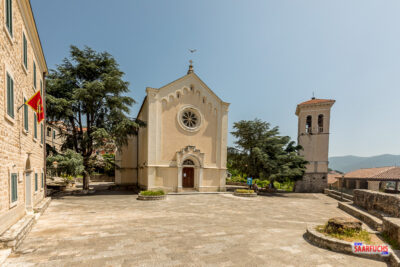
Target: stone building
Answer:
pixel 313 136
pixel 184 145
pixel 22 73
pixel 371 178
pixel 55 135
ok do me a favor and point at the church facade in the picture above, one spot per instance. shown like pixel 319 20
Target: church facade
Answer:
pixel 184 144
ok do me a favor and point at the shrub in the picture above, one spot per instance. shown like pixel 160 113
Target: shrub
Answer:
pixel 244 191
pixel 152 193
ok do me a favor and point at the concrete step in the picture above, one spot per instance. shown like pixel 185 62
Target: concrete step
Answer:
pixel 13 237
pixel 361 214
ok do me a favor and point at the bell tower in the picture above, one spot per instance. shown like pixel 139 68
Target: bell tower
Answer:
pixel 313 136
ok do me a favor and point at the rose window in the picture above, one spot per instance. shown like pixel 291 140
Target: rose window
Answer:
pixel 190 119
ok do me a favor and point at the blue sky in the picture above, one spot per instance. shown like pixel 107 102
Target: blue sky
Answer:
pixel 264 57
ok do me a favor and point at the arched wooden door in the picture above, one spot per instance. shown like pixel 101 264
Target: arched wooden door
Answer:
pixel 188 177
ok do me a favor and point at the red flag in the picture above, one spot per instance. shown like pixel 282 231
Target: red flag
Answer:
pixel 36 103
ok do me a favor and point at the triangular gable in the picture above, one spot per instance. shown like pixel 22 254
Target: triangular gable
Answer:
pixel 197 78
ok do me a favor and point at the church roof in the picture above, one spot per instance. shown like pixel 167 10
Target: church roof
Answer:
pixel 314 101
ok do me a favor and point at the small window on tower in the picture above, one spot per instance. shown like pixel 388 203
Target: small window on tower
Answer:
pixel 320 123
pixel 178 95
pixel 308 124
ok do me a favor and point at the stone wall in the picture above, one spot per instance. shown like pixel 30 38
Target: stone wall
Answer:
pixel 21 152
pixel 312 183
pixel 386 204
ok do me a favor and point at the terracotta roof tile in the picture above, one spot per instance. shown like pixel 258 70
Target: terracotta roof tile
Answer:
pixel 390 172
pixel 317 101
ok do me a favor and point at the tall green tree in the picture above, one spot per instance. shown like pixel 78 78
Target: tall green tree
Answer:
pixel 87 93
pixel 260 152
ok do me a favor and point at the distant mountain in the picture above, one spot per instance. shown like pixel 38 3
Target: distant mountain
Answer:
pixel 351 163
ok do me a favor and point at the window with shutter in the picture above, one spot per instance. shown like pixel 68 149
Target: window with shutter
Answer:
pixel 34 126
pixel 34 74
pixel 25 52
pixel 8 14
pixel 14 187
pixel 36 182
pixel 10 96
pixel 26 119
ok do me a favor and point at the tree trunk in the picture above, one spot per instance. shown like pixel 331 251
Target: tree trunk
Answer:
pixel 86 178
pixel 86 174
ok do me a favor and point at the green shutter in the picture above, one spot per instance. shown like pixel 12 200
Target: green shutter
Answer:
pixel 36 182
pixel 41 133
pixel 9 16
pixel 25 52
pixel 26 120
pixel 42 180
pixel 34 74
pixel 10 96
pixel 34 125
pixel 14 187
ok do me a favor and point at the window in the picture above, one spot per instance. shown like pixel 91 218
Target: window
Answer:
pixel 308 124
pixel 8 14
pixel 320 123
pixel 189 119
pixel 41 133
pixel 48 132
pixel 34 126
pixel 26 121
pixel 25 50
pixel 10 96
pixel 54 134
pixel 14 187
pixel 34 74
pixel 42 180
pixel 36 182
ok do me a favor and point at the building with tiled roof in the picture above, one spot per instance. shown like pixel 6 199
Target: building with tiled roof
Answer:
pixel 370 178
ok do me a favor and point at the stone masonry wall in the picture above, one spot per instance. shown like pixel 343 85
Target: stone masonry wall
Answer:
pixel 312 183
pixel 16 143
pixel 388 204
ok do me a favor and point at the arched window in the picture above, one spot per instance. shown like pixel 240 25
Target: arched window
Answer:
pixel 188 162
pixel 320 123
pixel 308 124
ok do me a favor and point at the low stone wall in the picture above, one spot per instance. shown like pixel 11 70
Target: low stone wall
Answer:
pixel 102 178
pixel 245 194
pixel 322 241
pixel 151 198
pixel 391 227
pixel 387 204
pixel 367 218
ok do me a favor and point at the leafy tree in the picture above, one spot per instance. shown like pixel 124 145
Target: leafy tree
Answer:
pixel 68 164
pixel 87 93
pixel 262 153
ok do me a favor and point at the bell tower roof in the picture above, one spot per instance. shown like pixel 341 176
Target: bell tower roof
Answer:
pixel 314 101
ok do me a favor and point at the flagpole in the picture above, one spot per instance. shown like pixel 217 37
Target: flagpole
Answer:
pixel 20 107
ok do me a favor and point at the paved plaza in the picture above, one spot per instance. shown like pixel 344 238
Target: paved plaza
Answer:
pixel 115 229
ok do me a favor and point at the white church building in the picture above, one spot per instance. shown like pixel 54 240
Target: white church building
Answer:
pixel 184 143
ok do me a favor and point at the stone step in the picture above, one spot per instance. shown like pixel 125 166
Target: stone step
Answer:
pixel 13 237
pixel 372 221
pixel 338 195
pixel 42 206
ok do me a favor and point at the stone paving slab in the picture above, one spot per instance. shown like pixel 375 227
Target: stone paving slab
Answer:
pixel 115 229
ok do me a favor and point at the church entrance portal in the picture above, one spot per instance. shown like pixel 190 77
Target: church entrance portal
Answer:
pixel 188 177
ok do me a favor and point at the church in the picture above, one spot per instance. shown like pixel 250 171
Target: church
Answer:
pixel 184 144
